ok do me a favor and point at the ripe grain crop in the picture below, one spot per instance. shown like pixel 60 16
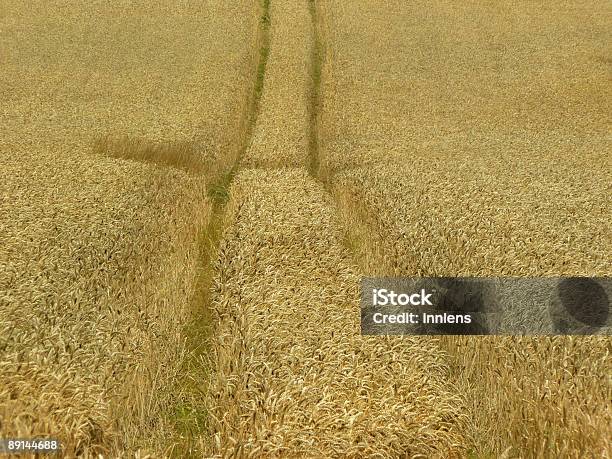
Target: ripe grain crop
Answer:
pixel 472 138
pixel 98 254
pixel 294 377
pixel 281 136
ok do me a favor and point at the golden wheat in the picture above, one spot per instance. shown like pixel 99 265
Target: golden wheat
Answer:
pixel 457 138
pixel 281 135
pixel 294 377
pixel 472 138
pixel 98 256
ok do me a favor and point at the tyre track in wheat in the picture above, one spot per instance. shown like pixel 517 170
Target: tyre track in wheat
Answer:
pixel 292 374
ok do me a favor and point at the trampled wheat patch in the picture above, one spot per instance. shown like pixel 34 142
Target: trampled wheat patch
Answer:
pixel 188 156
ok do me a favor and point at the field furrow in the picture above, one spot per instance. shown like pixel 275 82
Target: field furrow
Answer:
pixel 294 377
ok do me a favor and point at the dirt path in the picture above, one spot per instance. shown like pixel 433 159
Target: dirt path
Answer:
pixel 293 375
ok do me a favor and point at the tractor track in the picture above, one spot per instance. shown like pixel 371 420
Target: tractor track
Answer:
pixel 292 376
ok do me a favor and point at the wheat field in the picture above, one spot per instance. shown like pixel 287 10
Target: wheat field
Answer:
pixel 473 139
pixel 191 192
pixel 292 376
pixel 98 254
pixel 490 143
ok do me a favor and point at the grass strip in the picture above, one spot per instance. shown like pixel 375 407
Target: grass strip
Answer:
pixel 190 416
